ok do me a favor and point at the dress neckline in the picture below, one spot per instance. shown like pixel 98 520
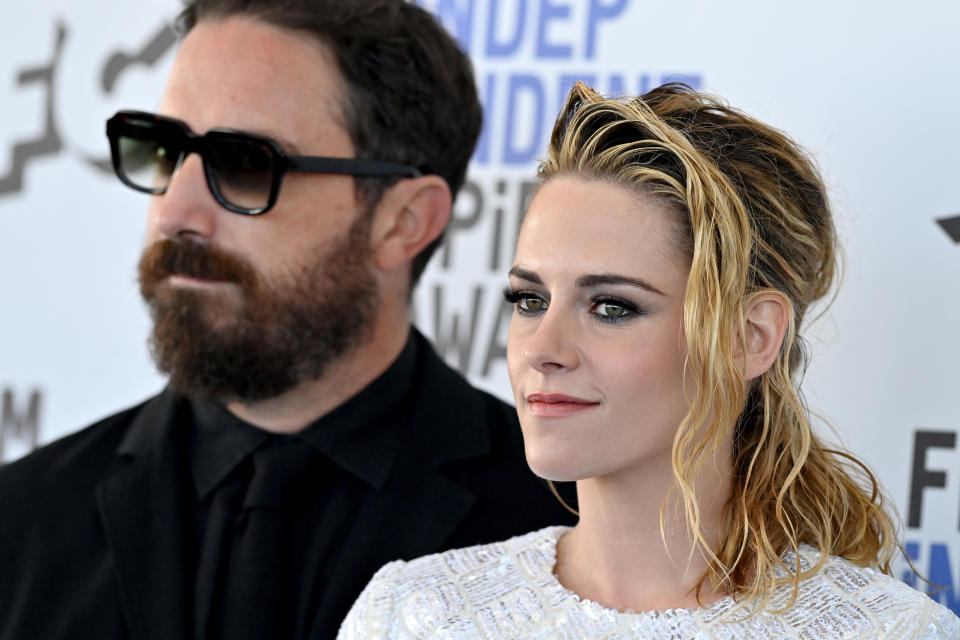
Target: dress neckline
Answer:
pixel 560 592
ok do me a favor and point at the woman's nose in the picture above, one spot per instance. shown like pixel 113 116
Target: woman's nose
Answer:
pixel 551 345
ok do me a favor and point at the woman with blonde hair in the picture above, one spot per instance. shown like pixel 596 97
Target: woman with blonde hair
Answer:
pixel 663 269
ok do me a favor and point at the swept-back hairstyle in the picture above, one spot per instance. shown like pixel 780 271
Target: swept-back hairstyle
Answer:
pixel 753 217
pixel 410 91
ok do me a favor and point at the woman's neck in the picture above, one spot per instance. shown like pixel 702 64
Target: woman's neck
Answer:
pixel 616 555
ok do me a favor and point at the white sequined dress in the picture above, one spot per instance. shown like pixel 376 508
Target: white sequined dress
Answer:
pixel 508 590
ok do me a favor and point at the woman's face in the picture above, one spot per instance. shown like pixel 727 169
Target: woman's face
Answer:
pixel 596 347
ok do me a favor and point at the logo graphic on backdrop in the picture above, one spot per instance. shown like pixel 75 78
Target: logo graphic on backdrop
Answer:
pixel 50 142
pixel 22 404
pixel 934 558
pixel 19 422
pixel 527 54
pixel 951 225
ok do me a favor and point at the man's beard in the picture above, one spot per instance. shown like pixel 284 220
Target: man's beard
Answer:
pixel 276 337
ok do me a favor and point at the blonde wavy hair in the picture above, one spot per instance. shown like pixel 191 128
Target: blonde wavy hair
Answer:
pixel 754 217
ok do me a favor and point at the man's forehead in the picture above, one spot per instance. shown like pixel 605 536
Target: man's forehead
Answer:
pixel 242 73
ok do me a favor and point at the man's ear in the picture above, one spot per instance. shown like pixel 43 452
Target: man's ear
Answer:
pixel 765 318
pixel 410 215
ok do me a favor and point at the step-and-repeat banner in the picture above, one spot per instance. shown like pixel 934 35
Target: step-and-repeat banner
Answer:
pixel 870 88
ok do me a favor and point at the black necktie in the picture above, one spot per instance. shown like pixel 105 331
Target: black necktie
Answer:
pixel 251 587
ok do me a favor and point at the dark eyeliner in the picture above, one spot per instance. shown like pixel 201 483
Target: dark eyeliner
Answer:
pixel 632 309
pixel 516 298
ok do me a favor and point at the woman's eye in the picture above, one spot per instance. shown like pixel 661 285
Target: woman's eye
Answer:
pixel 613 310
pixel 526 303
pixel 532 304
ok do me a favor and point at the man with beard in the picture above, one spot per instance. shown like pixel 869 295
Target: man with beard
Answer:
pixel 301 172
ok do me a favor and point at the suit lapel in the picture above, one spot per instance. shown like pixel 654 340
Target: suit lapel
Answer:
pixel 419 508
pixel 448 426
pixel 414 516
pixel 141 508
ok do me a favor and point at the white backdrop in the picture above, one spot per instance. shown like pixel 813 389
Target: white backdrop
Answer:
pixel 870 88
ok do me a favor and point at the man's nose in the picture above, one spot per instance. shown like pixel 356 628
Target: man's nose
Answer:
pixel 188 208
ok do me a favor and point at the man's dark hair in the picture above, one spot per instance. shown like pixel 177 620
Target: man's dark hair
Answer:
pixel 410 92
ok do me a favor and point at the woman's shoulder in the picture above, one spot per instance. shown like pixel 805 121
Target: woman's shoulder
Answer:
pixel 846 596
pixel 532 550
pixel 409 598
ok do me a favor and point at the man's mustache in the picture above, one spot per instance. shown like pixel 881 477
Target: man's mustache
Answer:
pixel 165 258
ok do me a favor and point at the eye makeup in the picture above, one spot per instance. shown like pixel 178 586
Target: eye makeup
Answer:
pixel 527 303
pixel 614 309
pixel 604 308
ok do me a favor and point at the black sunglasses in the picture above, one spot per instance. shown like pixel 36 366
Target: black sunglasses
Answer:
pixel 243 171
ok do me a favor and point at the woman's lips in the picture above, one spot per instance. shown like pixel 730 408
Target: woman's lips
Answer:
pixel 556 405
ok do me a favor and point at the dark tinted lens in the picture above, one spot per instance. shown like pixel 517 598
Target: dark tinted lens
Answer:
pixel 149 153
pixel 242 169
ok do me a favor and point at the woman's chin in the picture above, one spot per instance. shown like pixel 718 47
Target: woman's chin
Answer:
pixel 556 468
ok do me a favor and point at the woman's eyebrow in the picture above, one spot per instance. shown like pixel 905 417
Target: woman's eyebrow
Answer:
pixel 590 280
pixel 523 274
pixel 593 280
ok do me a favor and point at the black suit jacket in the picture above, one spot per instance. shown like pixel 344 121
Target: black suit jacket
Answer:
pixel 92 541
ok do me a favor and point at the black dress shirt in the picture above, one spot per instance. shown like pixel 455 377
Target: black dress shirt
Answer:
pixel 356 445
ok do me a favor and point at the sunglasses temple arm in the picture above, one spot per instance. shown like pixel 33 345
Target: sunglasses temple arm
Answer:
pixel 352 166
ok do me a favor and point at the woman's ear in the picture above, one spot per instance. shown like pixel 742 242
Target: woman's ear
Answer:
pixel 410 215
pixel 765 317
